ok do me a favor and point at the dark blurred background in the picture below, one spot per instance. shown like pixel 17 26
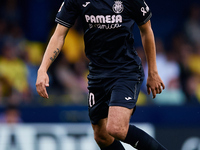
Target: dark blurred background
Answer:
pixel 25 29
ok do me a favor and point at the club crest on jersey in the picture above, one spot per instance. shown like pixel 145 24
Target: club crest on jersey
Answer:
pixel 118 7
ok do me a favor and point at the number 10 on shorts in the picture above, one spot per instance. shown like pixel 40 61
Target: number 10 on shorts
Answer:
pixel 91 99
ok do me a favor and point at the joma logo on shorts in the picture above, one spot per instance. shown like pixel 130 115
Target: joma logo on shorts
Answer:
pixel 103 19
pixel 128 98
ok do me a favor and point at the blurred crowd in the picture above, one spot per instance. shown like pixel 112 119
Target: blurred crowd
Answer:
pixel 178 62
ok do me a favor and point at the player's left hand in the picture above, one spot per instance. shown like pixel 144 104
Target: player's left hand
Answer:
pixel 155 84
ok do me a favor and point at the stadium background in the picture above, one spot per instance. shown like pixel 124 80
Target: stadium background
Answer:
pixel 61 122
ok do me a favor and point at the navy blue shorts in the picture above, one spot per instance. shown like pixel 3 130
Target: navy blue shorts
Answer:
pixel 111 92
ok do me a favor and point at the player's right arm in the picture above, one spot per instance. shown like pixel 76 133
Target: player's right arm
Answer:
pixel 53 49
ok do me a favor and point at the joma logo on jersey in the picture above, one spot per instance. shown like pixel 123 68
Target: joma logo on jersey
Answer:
pixel 103 19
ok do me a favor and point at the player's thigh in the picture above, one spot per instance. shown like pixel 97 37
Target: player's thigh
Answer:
pixel 123 101
pixel 118 115
pixel 101 136
pixel 100 127
pixel 118 121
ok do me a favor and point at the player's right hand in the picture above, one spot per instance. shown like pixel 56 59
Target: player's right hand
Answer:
pixel 41 84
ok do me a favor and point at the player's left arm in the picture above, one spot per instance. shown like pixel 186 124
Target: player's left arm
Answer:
pixel 154 82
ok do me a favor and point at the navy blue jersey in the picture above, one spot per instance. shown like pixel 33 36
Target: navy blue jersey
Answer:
pixel 108 37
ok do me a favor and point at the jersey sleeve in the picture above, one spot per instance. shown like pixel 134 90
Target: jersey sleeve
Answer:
pixel 67 13
pixel 140 11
